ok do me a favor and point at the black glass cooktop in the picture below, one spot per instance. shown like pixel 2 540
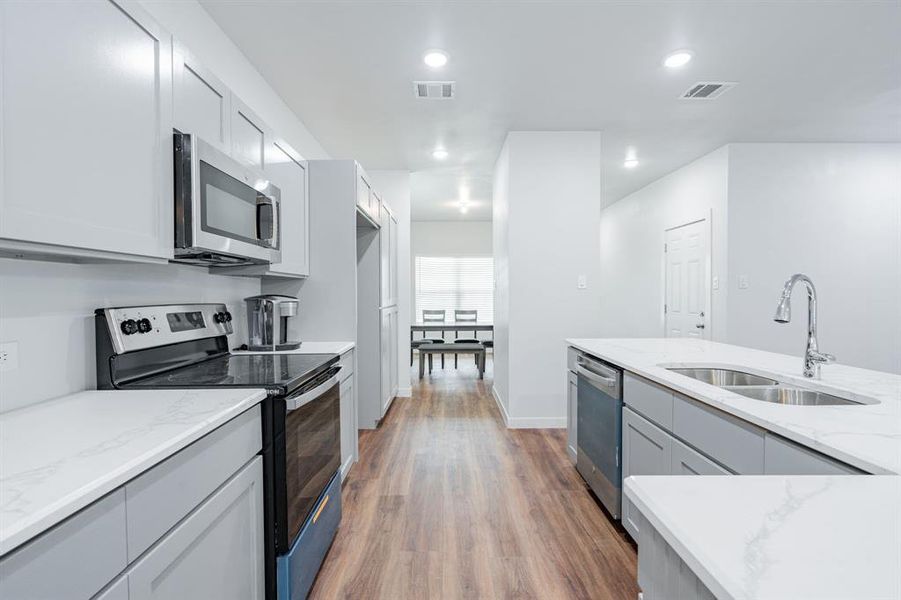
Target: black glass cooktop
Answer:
pixel 283 371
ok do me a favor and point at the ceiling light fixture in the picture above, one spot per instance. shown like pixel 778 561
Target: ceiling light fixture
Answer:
pixel 464 208
pixel 677 59
pixel 435 58
pixel 630 163
pixel 439 153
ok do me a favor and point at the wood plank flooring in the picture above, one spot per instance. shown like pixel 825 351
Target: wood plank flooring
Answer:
pixel 446 502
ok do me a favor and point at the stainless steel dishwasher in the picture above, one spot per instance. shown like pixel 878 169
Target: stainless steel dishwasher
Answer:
pixel 599 429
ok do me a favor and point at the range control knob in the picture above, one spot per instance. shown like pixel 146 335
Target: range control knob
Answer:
pixel 144 326
pixel 219 317
pixel 228 317
pixel 129 326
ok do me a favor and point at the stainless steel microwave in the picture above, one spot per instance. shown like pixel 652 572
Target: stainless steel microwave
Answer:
pixel 226 214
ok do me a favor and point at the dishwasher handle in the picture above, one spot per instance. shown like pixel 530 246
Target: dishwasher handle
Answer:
pixel 597 380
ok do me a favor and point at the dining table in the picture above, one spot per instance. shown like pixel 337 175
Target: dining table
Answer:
pixel 455 326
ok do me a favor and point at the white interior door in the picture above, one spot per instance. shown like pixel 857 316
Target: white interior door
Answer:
pixel 685 310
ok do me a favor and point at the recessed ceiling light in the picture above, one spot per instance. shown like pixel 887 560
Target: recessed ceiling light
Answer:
pixel 630 163
pixel 677 59
pixel 435 58
pixel 439 153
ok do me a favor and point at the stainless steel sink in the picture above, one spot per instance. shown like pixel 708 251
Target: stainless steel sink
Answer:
pixel 723 377
pixel 780 394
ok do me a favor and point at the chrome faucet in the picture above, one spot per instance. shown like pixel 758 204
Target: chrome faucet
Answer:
pixel 813 358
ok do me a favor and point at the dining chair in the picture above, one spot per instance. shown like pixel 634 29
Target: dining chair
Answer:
pixel 466 316
pixel 429 316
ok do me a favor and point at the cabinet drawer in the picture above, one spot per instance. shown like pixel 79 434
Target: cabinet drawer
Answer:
pixel 651 400
pixel 347 364
pixel 216 553
pixel 74 560
pixel 734 443
pixel 163 496
pixel 687 461
pixel 784 457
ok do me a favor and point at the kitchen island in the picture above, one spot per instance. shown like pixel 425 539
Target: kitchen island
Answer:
pixel 807 519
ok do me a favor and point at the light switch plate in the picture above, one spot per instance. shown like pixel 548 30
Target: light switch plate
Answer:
pixel 582 282
pixel 716 283
pixel 742 282
pixel 9 356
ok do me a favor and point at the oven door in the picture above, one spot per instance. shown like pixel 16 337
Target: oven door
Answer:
pixel 222 207
pixel 312 442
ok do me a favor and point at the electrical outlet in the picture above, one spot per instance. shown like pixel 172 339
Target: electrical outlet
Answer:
pixel 9 356
pixel 716 283
pixel 742 282
pixel 582 282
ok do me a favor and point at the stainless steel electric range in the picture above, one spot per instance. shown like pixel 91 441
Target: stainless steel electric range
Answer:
pixel 185 346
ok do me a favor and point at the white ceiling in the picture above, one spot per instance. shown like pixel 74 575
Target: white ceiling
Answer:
pixel 807 71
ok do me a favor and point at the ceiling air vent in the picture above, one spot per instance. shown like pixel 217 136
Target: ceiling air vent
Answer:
pixel 707 90
pixel 434 90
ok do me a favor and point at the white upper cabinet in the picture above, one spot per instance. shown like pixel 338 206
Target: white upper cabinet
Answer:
pixel 367 201
pixel 86 126
pixel 289 174
pixel 392 260
pixel 249 135
pixel 201 101
pixel 388 255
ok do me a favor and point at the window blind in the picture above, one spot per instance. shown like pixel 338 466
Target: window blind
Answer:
pixel 455 282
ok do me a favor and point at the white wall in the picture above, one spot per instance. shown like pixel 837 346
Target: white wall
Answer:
pixel 394 187
pixel 451 238
pixel 832 211
pixel 500 226
pixel 550 218
pixel 632 235
pixel 48 308
pixel 194 28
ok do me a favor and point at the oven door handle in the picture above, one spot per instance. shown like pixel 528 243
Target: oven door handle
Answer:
pixel 295 402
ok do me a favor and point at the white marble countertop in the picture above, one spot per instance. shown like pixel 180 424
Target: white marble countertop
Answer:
pixel 866 436
pixel 58 456
pixel 310 348
pixel 780 537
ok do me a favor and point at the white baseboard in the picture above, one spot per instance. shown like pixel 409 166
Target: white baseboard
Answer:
pixel 405 392
pixel 500 406
pixel 526 422
pixel 536 423
pixel 345 468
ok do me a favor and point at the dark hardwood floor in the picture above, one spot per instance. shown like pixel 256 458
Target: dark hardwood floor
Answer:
pixel 446 502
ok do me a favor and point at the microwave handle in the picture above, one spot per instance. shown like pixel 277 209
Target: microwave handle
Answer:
pixel 266 203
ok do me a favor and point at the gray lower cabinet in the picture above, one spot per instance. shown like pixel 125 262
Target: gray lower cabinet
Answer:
pixel 662 575
pixel 784 457
pixel 217 552
pixel 118 590
pixel 190 527
pixel 734 443
pixel 75 559
pixel 348 409
pixel 688 461
pixel 647 450
pixel 572 389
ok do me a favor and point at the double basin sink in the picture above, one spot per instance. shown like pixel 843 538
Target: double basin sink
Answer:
pixel 762 388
